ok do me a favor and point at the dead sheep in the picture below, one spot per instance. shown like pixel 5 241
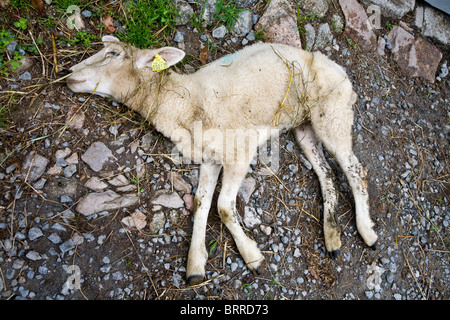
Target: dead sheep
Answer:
pixel 220 115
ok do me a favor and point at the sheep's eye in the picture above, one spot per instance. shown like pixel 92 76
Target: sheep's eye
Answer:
pixel 111 54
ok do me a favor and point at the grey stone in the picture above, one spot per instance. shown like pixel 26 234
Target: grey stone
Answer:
pixel 86 14
pixel 310 36
pixel 246 189
pixel 157 223
pixel 33 256
pixel 11 47
pixel 167 199
pixel 219 32
pixel 324 37
pixel 247 4
pixel 70 170
pixel 67 246
pixel 97 155
pixel 179 37
pixel 436 26
pixel 96 184
pixel 251 219
pixel 54 238
pixel 209 9
pixel 108 200
pixel 243 24
pixel 392 8
pixel 314 7
pixel 34 166
pixel 184 11
pixel 34 233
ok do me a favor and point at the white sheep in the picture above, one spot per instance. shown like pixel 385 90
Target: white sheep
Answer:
pixel 251 92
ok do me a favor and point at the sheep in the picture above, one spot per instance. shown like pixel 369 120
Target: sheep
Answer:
pixel 259 91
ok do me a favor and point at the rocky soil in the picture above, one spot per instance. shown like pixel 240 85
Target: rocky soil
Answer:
pixel 89 190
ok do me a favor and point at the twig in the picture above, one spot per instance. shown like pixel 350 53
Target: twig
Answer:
pixel 40 53
pixel 55 62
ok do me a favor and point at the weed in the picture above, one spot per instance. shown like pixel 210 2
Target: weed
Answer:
pixel 21 24
pixel 3 120
pixel 12 62
pixel 212 245
pixel 82 37
pixel 148 22
pixel 352 43
pixel 227 13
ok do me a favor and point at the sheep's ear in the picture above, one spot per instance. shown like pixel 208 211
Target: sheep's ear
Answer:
pixel 171 55
pixel 144 58
pixel 109 39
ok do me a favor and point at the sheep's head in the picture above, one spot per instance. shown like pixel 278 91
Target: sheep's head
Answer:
pixel 118 69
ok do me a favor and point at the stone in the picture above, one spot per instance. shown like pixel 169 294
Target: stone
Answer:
pixel 75 117
pixel 70 170
pixel 119 181
pixel 34 166
pixel 219 32
pixel 317 8
pixel 26 76
pixel 324 37
pixel 135 221
pixel 167 199
pixel 246 189
pixel 209 9
pixel 310 36
pixel 179 183
pixel 243 24
pixel 251 219
pixel 189 201
pixel 179 37
pixel 184 11
pixel 96 184
pixel 357 26
pixel 436 26
pixel 97 155
pixel 34 233
pixel 108 200
pixel 279 25
pixel 391 8
pixel 158 222
pixel 247 4
pixel 416 58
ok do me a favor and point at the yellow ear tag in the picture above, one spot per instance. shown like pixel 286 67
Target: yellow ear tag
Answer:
pixel 159 63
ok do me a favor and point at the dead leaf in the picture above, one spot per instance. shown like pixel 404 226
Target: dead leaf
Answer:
pixel 204 54
pixel 109 24
pixel 38 5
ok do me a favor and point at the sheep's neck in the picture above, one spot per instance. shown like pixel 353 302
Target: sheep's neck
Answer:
pixel 156 101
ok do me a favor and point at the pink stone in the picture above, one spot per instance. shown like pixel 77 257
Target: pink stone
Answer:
pixel 279 24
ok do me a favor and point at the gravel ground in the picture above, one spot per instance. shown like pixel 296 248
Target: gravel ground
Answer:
pixel 401 134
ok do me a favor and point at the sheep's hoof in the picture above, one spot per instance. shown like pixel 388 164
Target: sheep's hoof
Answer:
pixel 334 254
pixel 195 279
pixel 374 246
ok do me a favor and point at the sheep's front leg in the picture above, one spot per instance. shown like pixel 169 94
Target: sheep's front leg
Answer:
pixel 198 255
pixel 233 176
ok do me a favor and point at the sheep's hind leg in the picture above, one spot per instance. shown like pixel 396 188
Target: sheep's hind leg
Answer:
pixel 233 176
pixel 198 255
pixel 313 151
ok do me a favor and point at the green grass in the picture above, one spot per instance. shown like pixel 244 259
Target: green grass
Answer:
pixel 149 23
pixel 227 13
